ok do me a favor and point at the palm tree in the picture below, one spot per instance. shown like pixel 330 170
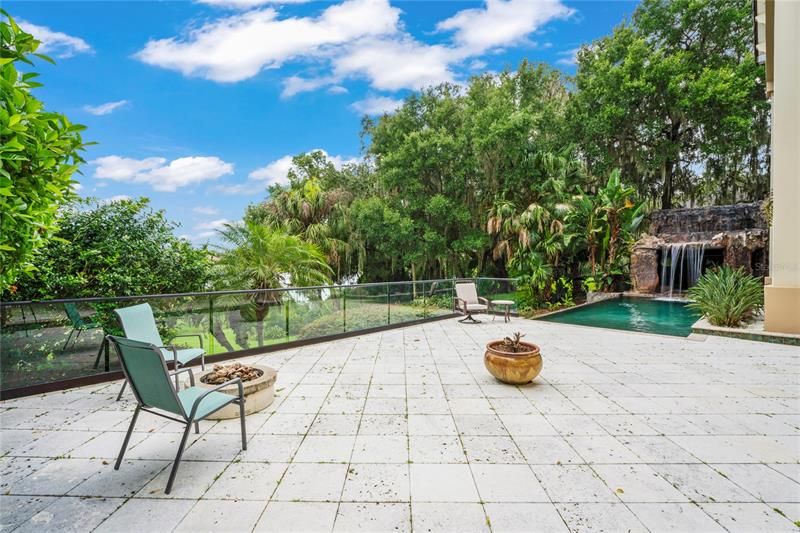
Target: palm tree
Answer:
pixel 316 215
pixel 261 257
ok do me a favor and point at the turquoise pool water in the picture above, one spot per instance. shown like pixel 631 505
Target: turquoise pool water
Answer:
pixel 632 314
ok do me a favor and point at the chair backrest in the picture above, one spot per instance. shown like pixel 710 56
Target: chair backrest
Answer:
pixel 147 374
pixel 74 316
pixel 139 324
pixel 467 292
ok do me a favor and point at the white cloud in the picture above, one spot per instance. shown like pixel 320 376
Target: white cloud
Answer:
pixel 204 210
pixel 568 57
pixel 55 42
pixel 160 174
pixel 105 109
pixel 297 84
pixel 501 23
pixel 337 89
pixel 392 64
pixel 353 39
pixel 478 64
pixel 376 105
pixel 238 47
pixel 276 173
pixel 208 229
pixel 112 199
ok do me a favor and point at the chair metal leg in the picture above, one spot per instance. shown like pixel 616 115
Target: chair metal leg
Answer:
pixel 127 438
pixel 470 319
pixel 202 361
pixel 64 348
pixel 241 418
pixel 100 353
pixel 124 384
pixel 197 427
pixel 178 457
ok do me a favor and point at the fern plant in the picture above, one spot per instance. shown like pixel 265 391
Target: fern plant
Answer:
pixel 727 297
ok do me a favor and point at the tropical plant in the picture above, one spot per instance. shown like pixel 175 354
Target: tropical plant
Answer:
pixel 514 344
pixel 39 152
pixel 726 296
pixel 257 256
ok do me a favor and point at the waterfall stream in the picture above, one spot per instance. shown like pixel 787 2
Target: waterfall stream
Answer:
pixel 686 256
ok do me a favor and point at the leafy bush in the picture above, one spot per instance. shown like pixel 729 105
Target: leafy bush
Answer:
pixel 727 297
pixel 119 248
pixel 39 152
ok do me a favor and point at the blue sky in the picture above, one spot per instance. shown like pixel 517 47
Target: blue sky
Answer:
pixel 200 105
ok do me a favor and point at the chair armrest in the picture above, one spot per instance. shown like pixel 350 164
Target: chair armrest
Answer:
pixel 174 351
pixel 237 381
pixel 199 337
pixel 182 370
pixel 484 301
pixel 460 304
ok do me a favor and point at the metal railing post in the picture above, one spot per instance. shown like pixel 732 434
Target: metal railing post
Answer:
pixel 388 305
pixel 344 310
pixel 286 317
pixel 211 323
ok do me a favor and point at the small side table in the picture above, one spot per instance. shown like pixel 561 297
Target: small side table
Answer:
pixel 507 304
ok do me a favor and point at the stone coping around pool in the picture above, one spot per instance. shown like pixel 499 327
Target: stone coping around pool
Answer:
pixel 753 331
pixel 578 306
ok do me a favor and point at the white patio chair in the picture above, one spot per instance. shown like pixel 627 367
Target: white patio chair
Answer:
pixel 468 302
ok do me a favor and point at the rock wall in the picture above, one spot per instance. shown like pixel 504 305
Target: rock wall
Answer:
pixel 698 220
pixel 739 230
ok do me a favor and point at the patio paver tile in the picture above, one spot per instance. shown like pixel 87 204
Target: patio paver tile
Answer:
pixel 442 483
pixel 525 518
pixel 449 517
pixel 373 517
pixel 221 515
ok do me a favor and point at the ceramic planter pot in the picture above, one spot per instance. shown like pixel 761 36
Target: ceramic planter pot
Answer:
pixel 258 394
pixel 514 368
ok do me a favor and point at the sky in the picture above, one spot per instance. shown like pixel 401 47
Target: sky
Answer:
pixel 201 105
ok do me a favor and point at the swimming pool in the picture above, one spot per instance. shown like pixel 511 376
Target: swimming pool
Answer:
pixel 632 314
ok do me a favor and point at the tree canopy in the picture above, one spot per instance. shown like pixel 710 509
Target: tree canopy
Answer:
pixel 118 248
pixel 675 100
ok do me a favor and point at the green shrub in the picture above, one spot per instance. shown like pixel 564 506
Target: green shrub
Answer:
pixel 727 297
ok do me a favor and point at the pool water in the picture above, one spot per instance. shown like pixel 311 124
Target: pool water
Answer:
pixel 632 314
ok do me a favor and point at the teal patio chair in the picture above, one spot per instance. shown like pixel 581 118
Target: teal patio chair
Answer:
pixel 146 370
pixel 139 324
pixel 79 325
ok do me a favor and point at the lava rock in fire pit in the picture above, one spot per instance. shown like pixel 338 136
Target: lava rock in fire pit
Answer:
pixel 222 373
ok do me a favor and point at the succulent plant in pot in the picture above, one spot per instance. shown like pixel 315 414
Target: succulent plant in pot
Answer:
pixel 512 360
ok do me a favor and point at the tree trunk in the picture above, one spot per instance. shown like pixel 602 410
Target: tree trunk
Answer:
pixel 666 177
pixel 668 167
pixel 219 334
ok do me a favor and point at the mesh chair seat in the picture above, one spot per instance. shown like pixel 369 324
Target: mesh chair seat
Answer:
pixel 184 356
pixel 477 307
pixel 211 403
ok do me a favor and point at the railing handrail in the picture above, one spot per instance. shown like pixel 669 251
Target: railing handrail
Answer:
pixel 212 294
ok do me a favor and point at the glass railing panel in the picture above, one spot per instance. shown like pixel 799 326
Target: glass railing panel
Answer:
pixel 401 303
pixel 439 296
pixel 314 313
pixel 366 306
pixel 245 321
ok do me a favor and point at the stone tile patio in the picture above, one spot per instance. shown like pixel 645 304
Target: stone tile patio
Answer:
pixel 405 430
